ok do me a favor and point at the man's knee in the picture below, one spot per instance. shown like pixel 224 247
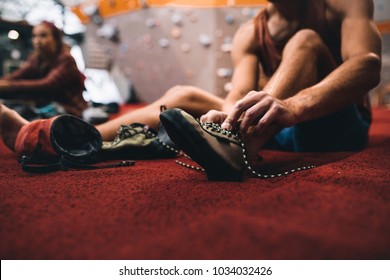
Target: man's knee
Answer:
pixel 177 90
pixel 180 93
pixel 306 40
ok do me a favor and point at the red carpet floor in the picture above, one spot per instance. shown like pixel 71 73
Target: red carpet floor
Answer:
pixel 160 210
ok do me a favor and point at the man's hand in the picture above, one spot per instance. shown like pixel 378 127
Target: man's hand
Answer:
pixel 214 116
pixel 258 110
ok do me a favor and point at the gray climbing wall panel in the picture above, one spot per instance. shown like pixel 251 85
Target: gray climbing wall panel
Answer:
pixel 157 48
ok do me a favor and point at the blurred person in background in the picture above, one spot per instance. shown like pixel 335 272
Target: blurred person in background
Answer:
pixel 49 83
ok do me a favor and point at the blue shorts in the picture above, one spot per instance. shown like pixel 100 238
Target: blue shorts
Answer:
pixel 345 130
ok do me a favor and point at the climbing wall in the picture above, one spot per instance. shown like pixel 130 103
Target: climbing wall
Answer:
pixel 160 47
pixel 156 44
pixel 382 17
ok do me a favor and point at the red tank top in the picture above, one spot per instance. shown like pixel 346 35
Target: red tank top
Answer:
pixel 313 17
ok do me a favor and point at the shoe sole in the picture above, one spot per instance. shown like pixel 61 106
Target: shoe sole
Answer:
pixel 198 148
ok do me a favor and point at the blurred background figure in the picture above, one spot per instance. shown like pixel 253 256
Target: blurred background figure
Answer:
pixel 49 83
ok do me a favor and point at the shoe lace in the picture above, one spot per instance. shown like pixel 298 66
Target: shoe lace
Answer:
pixel 236 135
pixel 127 131
pixel 218 129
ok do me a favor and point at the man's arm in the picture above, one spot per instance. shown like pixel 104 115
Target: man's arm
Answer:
pixel 346 85
pixel 360 70
pixel 246 65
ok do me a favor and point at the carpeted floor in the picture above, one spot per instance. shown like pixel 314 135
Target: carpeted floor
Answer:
pixel 160 210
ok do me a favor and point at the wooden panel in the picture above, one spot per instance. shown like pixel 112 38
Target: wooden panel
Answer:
pixel 384 27
pixel 192 3
pixel 206 3
pixel 113 7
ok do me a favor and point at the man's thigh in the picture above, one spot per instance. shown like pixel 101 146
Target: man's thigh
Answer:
pixel 345 130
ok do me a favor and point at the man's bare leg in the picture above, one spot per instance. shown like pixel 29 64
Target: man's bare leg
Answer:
pixel 306 60
pixel 191 99
pixel 10 124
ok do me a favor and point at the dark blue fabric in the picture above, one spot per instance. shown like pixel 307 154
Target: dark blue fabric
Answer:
pixel 345 130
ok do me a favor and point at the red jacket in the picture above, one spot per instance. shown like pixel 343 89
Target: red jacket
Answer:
pixel 57 80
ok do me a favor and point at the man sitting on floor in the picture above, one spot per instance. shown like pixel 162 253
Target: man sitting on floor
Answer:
pixel 323 57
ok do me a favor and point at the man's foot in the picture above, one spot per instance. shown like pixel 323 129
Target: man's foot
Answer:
pixel 10 125
pixel 217 150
